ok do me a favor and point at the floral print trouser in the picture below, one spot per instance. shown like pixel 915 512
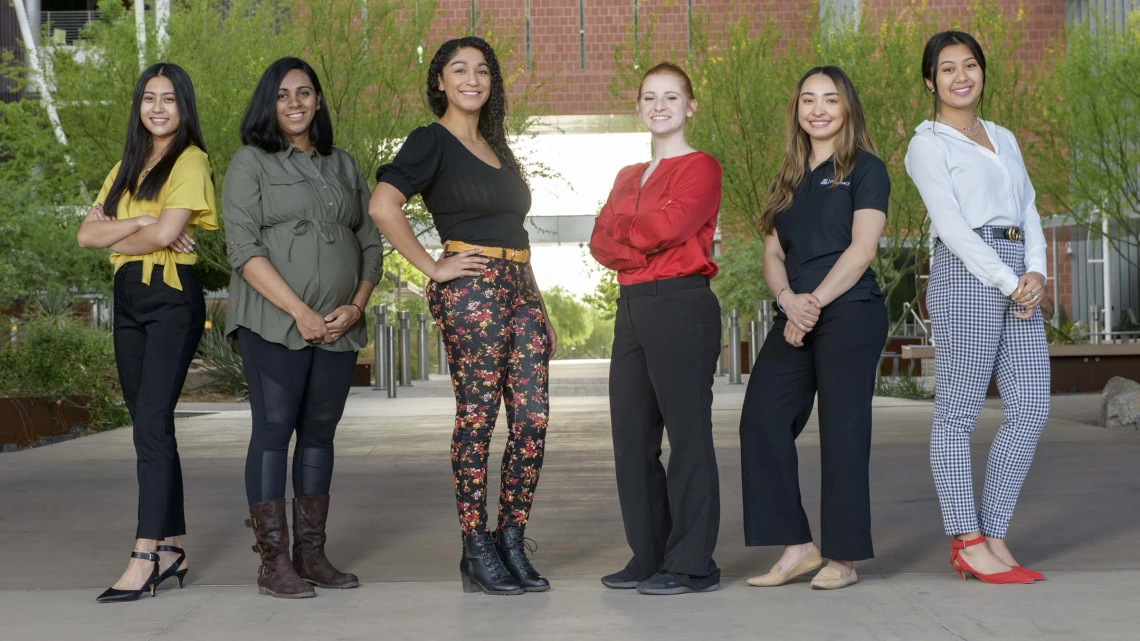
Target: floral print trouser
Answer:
pixel 495 333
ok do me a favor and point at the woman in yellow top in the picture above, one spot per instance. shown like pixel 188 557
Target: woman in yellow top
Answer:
pixel 146 214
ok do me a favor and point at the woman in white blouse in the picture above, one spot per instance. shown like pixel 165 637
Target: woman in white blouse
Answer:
pixel 986 284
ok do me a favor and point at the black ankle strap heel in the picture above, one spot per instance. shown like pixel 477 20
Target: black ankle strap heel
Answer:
pixel 173 570
pixel 111 595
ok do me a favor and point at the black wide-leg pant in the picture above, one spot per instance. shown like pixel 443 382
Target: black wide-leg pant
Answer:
pixel 292 390
pixel 839 359
pixel 156 332
pixel 666 339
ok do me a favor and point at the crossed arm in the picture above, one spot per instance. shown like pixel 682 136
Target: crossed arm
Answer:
pixel 135 236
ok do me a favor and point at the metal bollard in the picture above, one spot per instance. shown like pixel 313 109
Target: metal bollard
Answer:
pixel 390 362
pixel 1094 324
pixel 423 347
pixel 380 346
pixel 442 348
pixel 734 347
pixel 765 313
pixel 405 349
pixel 604 352
pixel 753 343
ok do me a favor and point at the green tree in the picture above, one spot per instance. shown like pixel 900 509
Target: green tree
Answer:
pixel 1097 81
pixel 37 221
pixel 371 56
pixel 571 318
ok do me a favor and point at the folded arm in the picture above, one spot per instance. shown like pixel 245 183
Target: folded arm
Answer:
pixel 695 200
pixel 607 250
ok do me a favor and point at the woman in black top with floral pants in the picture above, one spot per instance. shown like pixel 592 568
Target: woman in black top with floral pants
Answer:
pixel 484 298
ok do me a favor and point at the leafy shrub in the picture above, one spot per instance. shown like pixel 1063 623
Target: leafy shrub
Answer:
pixel 60 360
pixel 905 385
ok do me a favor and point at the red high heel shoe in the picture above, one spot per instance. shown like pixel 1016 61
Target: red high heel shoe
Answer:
pixel 959 564
pixel 1034 574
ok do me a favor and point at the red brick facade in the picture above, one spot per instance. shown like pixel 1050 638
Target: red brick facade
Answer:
pixel 576 88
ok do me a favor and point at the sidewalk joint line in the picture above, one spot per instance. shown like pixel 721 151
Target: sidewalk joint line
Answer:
pixel 918 605
pixel 184 616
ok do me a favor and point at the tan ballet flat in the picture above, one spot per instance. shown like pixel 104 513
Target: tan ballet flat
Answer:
pixel 813 561
pixel 830 578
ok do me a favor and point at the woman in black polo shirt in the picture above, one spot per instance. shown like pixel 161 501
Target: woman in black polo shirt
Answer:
pixel 821 224
pixel 484 298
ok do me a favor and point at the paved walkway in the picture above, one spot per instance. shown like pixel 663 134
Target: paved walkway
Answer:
pixel 67 516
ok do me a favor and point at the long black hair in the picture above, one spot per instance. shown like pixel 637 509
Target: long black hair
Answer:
pixel 494 111
pixel 259 125
pixel 935 45
pixel 139 140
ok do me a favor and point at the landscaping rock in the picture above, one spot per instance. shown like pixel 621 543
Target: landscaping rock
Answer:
pixel 1120 405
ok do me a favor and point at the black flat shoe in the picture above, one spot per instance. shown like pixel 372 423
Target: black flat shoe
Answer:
pixel 622 580
pixel 119 596
pixel 668 583
pixel 173 569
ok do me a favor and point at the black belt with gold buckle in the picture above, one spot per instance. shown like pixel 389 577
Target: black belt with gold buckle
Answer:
pixel 1012 234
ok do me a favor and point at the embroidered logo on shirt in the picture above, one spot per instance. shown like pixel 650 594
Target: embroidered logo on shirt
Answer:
pixel 827 181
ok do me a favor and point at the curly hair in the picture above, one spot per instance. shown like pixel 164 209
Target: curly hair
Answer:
pixel 494 111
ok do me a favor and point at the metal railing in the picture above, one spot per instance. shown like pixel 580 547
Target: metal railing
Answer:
pixel 64 26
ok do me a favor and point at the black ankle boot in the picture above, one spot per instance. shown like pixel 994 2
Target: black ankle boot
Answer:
pixel 481 568
pixel 511 546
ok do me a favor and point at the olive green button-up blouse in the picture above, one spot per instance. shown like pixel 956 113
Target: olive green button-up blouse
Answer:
pixel 309 216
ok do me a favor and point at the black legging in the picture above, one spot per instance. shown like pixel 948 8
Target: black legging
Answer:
pixel 292 390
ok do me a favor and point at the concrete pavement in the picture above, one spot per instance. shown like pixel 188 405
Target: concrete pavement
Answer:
pixel 67 516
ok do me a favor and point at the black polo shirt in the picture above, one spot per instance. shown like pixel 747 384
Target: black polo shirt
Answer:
pixel 816 229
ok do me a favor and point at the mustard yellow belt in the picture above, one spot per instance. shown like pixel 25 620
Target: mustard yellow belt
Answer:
pixel 516 255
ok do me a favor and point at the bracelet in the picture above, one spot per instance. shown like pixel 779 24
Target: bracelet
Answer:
pixel 357 307
pixel 778 305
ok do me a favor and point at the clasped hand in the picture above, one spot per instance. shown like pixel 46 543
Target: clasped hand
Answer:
pixel 1028 294
pixel 322 330
pixel 802 311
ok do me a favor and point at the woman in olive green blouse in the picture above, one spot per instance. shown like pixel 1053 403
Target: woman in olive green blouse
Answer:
pixel 305 258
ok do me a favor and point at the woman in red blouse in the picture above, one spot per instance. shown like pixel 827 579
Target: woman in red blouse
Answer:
pixel 656 230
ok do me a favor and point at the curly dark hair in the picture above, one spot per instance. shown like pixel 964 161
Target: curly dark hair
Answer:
pixel 494 111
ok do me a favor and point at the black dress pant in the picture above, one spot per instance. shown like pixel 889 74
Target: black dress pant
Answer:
pixel 666 339
pixel 156 332
pixel 839 359
pixel 302 391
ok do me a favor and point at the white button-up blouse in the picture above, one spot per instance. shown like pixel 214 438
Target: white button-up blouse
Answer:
pixel 965 186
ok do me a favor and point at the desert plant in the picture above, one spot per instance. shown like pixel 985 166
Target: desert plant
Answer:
pixel 217 359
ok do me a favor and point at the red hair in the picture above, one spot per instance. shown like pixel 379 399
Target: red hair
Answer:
pixel 670 68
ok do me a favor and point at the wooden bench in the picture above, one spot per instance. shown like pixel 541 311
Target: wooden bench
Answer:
pixel 1073 368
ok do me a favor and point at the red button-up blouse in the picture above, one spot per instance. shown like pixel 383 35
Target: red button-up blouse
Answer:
pixel 663 229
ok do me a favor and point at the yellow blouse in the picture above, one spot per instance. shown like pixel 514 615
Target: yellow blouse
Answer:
pixel 190 186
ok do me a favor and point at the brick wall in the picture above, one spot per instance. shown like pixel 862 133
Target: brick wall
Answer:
pixel 574 90
pixel 1045 19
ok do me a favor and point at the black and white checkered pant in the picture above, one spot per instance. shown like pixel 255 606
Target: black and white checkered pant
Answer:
pixel 976 336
